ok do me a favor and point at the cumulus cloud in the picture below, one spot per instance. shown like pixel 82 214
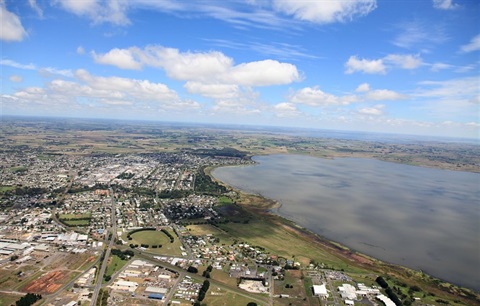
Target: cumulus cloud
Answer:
pixel 473 45
pixel 325 11
pixel 80 50
pixel 376 110
pixel 379 66
pixel 16 78
pixel 404 61
pixel 12 29
pixel 364 65
pixel 384 95
pixel 263 73
pixel 363 87
pixel 210 74
pixel 98 91
pixel 207 67
pixel 286 109
pixel 215 91
pixel 444 4
pixel 313 96
pixel 378 94
pixel 120 58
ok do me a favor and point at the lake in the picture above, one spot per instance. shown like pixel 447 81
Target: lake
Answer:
pixel 422 218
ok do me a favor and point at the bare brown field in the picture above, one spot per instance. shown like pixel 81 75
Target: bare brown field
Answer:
pixel 47 283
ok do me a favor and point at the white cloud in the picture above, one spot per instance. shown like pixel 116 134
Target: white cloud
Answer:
pixel 48 71
pixel 263 73
pixel 112 11
pixel 269 14
pixel 473 45
pixel 363 87
pixel 215 91
pixel 440 66
pixel 463 88
pixel 455 99
pixel 384 95
pixel 325 11
pixel 6 62
pixel 444 4
pixel 418 34
pixel 16 78
pixel 80 50
pixel 286 109
pixel 207 67
pixel 315 97
pixel 12 29
pixel 376 110
pixel 34 5
pixel 364 65
pixel 379 66
pixel 473 124
pixel 405 61
pixel 120 58
pixel 99 91
pixel 378 94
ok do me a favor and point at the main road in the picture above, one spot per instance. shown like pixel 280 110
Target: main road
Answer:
pixel 112 235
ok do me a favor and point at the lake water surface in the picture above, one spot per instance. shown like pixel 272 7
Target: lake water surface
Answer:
pixel 422 218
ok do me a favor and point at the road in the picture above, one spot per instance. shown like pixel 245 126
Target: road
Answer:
pixel 113 232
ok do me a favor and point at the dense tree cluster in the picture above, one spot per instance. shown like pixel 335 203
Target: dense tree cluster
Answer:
pixel 123 255
pixel 389 291
pixel 172 239
pixel 204 184
pixel 28 299
pixel 203 290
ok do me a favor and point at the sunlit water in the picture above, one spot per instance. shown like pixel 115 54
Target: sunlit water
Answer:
pixel 425 219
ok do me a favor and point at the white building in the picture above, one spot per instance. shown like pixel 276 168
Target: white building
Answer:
pixel 320 290
pixel 348 292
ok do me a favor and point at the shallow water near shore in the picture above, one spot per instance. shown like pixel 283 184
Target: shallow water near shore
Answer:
pixel 422 218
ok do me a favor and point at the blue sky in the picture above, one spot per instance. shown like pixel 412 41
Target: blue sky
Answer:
pixel 409 66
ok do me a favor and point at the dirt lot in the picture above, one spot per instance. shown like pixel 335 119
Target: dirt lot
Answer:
pixel 48 282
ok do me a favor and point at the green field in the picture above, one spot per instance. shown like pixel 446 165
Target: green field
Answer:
pixel 157 238
pixel 6 188
pixel 215 297
pixel 9 299
pixel 74 216
pixel 76 219
pixel 114 264
pixel 18 169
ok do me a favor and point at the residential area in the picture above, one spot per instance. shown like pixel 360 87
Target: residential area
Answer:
pixel 158 217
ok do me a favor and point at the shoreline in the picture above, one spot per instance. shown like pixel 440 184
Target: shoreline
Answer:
pixel 269 208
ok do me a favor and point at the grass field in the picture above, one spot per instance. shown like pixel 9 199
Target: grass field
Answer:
pixel 157 238
pixel 9 299
pixel 114 264
pixel 76 219
pixel 219 297
pixel 6 188
pixel 74 216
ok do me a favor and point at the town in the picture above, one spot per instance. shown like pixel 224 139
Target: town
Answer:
pixel 80 227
